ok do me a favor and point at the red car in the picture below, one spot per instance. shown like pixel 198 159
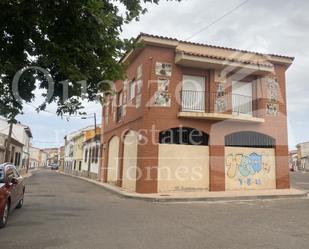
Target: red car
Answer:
pixel 12 191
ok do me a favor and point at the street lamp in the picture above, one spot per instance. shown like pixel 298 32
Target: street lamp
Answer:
pixel 95 122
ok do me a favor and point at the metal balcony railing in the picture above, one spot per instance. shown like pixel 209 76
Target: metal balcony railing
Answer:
pixel 216 102
pixel 193 100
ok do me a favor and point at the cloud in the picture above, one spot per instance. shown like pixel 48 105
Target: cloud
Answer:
pixel 279 27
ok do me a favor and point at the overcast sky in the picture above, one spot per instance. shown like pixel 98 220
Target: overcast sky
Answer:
pixel 276 26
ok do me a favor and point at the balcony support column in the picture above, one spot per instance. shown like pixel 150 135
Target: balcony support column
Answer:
pixel 216 168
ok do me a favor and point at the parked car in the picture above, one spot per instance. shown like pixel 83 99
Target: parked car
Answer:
pixel 54 166
pixel 12 191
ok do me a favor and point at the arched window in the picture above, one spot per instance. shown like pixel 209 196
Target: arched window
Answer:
pixel 183 135
pixel 249 139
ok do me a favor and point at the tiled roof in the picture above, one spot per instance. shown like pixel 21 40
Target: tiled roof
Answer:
pixel 213 46
pixel 226 59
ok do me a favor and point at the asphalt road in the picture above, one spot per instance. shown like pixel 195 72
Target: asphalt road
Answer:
pixel 67 213
pixel 300 180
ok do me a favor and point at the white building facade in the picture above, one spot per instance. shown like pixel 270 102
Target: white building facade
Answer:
pixel 21 137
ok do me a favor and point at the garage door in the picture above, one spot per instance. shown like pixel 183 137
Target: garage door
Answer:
pixel 183 168
pixel 250 168
pixel 130 161
pixel 113 160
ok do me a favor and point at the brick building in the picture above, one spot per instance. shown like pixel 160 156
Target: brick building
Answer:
pixel 195 117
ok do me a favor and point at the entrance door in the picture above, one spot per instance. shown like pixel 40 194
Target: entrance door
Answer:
pixel 113 159
pixel 242 98
pixel 193 94
pixel 130 161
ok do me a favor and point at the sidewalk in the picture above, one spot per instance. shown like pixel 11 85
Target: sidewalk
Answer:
pixel 26 175
pixel 201 196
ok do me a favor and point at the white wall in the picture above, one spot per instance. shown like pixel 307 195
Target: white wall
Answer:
pixel 94 166
pixel 19 134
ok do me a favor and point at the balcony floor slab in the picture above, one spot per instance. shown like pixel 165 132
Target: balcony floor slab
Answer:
pixel 219 116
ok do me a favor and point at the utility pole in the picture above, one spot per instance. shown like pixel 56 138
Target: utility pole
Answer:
pixel 8 144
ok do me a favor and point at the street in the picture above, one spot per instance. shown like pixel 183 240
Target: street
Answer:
pixel 64 212
pixel 300 180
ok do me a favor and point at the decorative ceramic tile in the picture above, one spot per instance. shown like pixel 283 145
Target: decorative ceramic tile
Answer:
pixel 272 109
pixel 163 69
pixel 124 97
pixel 220 105
pixel 139 72
pixel 138 101
pixel 162 99
pixel 272 89
pixel 139 86
pixel 220 76
pixel 163 85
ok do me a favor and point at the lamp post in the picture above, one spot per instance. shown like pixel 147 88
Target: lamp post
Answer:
pixel 95 122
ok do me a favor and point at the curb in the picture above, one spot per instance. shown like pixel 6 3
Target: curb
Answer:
pixel 169 199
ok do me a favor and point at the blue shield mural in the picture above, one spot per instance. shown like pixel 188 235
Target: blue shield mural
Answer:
pixel 245 168
pixel 255 162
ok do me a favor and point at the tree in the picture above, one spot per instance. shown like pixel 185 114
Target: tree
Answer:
pixel 73 40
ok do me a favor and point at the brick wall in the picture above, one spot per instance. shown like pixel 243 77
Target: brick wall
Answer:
pixel 146 117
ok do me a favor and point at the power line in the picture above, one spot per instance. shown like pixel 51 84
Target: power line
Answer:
pixel 66 116
pixel 217 20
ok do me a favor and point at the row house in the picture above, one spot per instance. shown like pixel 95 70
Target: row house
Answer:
pixel 52 155
pixel 196 117
pixel 38 158
pixel 20 143
pixel 16 149
pixel 81 152
pixel 303 156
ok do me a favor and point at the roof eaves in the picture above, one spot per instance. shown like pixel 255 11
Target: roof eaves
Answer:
pixel 226 59
pixel 214 46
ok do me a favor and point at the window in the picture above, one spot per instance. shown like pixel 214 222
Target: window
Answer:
pixel 86 155
pixel 12 154
pixel 183 135
pixel 132 90
pixel 90 155
pixel 9 174
pixel 119 107
pixel 80 166
pixel 16 174
pixel 96 154
pixel 242 98
pixel 249 139
pixel 193 93
pixel 17 159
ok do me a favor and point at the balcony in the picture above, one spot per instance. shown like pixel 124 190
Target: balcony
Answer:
pixel 218 106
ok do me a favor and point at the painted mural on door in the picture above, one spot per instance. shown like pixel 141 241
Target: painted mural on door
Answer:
pixel 249 168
